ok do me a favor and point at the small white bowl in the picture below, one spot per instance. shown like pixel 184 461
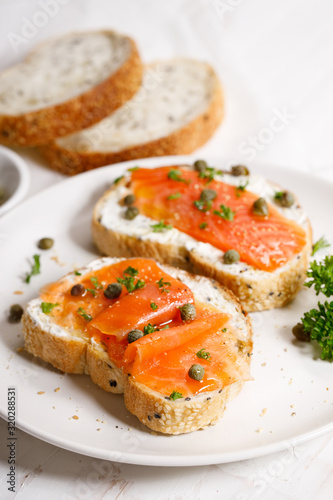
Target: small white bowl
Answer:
pixel 14 178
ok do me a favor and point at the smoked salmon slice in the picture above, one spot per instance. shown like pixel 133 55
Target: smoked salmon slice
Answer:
pixel 264 242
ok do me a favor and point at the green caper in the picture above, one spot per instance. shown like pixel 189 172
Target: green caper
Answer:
pixel 286 199
pixel 200 165
pixel 77 290
pixel 260 207
pixel 188 312
pixel 134 335
pixel 231 257
pixel 208 195
pixel 131 213
pixel 15 313
pixel 129 200
pixel 113 291
pixel 238 170
pixel 300 334
pixel 45 243
pixel 196 372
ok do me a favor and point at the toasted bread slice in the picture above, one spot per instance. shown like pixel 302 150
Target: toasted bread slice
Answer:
pixel 73 351
pixel 67 84
pixel 257 289
pixel 177 109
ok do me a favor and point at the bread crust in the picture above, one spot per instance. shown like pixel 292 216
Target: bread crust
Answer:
pixel 42 126
pixel 183 141
pixel 73 354
pixel 271 291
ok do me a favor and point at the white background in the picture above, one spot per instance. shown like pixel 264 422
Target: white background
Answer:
pixel 272 58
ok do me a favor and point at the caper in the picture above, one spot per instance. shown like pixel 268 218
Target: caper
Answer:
pixel 286 199
pixel 15 313
pixel 129 199
pixel 196 372
pixel 45 243
pixel 238 170
pixel 77 290
pixel 231 256
pixel 134 335
pixel 300 334
pixel 131 213
pixel 200 165
pixel 188 312
pixel 113 291
pixel 208 195
pixel 260 207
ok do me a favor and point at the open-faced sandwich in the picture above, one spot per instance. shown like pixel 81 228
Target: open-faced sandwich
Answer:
pixel 178 346
pixel 240 229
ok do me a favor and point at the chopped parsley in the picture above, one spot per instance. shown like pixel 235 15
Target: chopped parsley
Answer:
pixel 203 225
pixel 203 206
pixel 209 174
pixel 153 306
pixel 84 315
pixel 158 228
pixel 128 282
pixel 77 273
pixel 96 283
pixel 47 307
pixel 148 329
pixel 92 291
pixel 162 284
pixel 176 175
pixel 133 169
pixel 224 330
pixel 118 179
pixel 203 354
pixel 174 196
pixel 241 188
pixel 175 395
pixel 131 271
pixel 35 268
pixel 321 243
pixel 321 276
pixel 226 213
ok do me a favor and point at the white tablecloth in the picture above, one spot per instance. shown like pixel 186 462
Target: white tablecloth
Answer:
pixel 275 60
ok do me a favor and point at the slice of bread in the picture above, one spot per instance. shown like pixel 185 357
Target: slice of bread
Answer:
pixel 67 84
pixel 257 289
pixel 73 351
pixel 177 109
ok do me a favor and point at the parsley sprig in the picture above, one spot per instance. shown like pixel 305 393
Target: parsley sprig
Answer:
pixel 35 268
pixel 319 323
pixel 175 395
pixel 203 354
pixel 321 276
pixel 226 213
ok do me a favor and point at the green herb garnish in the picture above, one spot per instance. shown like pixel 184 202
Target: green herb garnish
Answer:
pixel 224 330
pixel 35 269
pixel 158 228
pixel 77 273
pixel 203 354
pixel 176 175
pixel 118 179
pixel 209 174
pixel 128 282
pixel 319 324
pixel 133 169
pixel 131 271
pixel 321 276
pixel 278 195
pixel 96 283
pixel 241 188
pixel 321 243
pixel 153 306
pixel 84 315
pixel 226 213
pixel 174 196
pixel 148 329
pixel 203 225
pixel 92 291
pixel 162 284
pixel 47 307
pixel 203 206
pixel 175 395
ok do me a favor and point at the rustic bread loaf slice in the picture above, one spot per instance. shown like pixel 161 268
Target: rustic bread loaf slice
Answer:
pixel 257 290
pixel 71 350
pixel 67 84
pixel 177 109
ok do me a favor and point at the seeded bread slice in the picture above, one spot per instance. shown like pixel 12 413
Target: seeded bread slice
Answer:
pixel 67 84
pixel 257 290
pixel 74 352
pixel 177 109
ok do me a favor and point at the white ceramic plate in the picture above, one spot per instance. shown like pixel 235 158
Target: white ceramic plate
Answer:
pixel 289 401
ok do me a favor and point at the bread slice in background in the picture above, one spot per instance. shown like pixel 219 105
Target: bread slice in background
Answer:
pixel 257 290
pixel 67 84
pixel 73 351
pixel 177 109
